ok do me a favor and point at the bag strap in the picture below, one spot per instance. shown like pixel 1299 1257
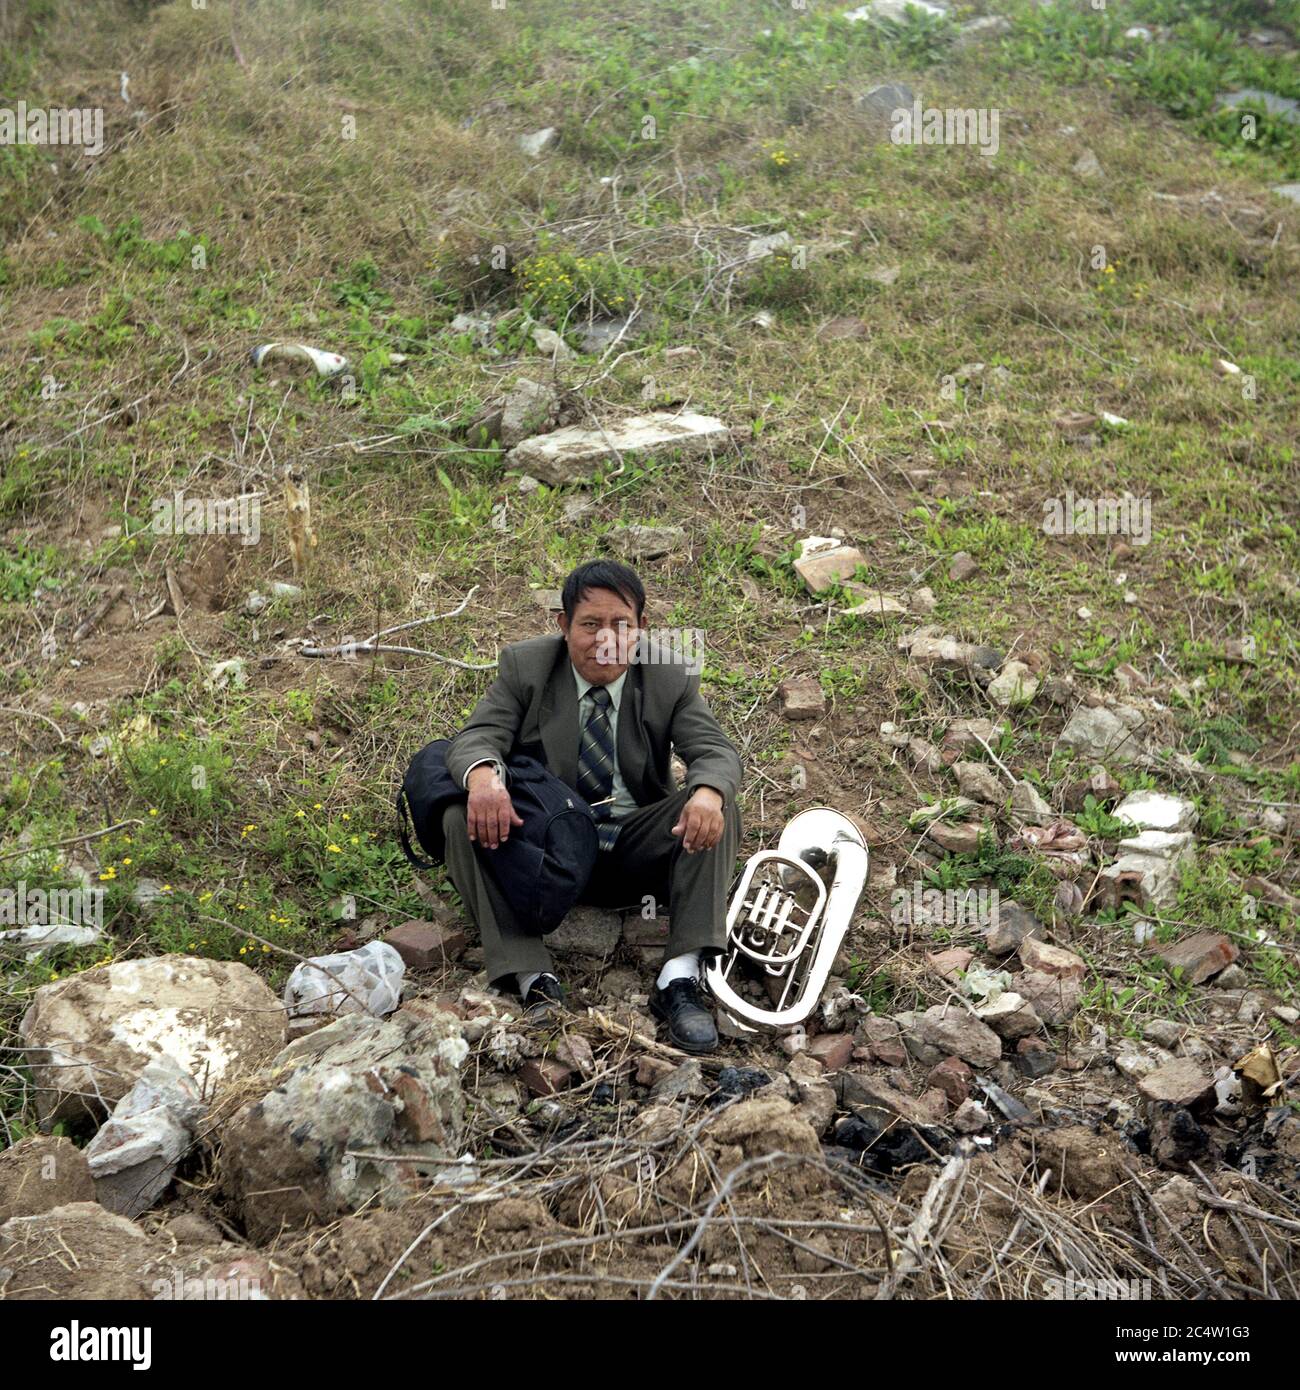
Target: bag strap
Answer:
pixel 404 831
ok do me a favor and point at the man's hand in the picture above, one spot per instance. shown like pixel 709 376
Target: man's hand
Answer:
pixel 700 824
pixel 490 813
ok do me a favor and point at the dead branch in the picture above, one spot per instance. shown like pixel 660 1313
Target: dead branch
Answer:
pixel 98 613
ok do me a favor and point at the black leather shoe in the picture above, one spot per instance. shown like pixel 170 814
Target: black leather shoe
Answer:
pixel 683 1008
pixel 545 999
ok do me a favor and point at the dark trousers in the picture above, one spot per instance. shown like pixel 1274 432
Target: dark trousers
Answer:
pixel 646 859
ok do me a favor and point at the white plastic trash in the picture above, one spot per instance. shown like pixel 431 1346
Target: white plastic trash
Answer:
pixel 369 980
pixel 326 363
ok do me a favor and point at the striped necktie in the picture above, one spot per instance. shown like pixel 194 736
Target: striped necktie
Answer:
pixel 596 765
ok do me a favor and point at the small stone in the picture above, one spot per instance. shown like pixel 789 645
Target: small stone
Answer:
pixel 988 26
pixel 685 1082
pixel 588 931
pixel 965 735
pixel 650 1070
pixel 1136 1062
pixel 1051 960
pixel 1014 685
pixel 961 567
pixel 1087 166
pixel 1055 998
pixel 833 1050
pixel 1252 1008
pixel 877 1100
pixel 917 1048
pixel 544 1077
pixel 817 1101
pixel 1034 1058
pixel 979 782
pixel 890 96
pixel 1199 956
pixel 810 1262
pixel 599 334
pixel 427 945
pixel 574 453
pixel 529 408
pixel 1163 1031
pixel 873 603
pixel 843 326
pixel 1029 805
pixel 1180 1082
pixel 638 542
pixel 971 1117
pixel 924 755
pixel 801 698
pixel 884 1041
pixel 1233 977
pixel 949 964
pixel 954 1078
pixel 933 651
pixel 1011 1016
pixel 641 931
pixel 1011 926
pixel 956 1032
pixel 573 1050
pixel 956 839
pixel 823 561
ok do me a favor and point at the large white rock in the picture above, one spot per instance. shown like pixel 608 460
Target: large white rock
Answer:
pixel 134 1156
pixel 1157 811
pixel 573 454
pixel 1158 856
pixel 1167 845
pixel 358 1112
pixel 89 1037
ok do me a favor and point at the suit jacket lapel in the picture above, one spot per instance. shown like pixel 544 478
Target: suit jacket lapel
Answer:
pixel 558 720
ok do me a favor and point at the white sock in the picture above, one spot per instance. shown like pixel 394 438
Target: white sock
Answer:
pixel 526 981
pixel 683 967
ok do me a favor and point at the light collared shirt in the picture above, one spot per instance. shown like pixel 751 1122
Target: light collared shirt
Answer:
pixel 624 803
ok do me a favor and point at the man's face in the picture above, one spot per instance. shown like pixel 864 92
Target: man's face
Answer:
pixel 600 636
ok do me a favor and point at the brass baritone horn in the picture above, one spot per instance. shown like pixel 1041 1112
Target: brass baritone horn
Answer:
pixel 785 924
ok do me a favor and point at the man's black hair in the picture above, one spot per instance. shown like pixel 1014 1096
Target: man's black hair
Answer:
pixel 603 574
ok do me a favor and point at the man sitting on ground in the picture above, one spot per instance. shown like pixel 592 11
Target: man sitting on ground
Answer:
pixel 603 709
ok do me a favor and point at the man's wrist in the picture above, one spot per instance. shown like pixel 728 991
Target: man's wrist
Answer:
pixel 704 787
pixel 493 766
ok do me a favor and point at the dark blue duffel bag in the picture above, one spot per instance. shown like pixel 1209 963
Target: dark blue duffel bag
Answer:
pixel 542 868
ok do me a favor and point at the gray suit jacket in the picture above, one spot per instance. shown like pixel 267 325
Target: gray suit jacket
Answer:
pixel 532 708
